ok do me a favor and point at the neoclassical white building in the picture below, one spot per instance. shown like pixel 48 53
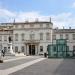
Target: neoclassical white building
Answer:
pixel 32 38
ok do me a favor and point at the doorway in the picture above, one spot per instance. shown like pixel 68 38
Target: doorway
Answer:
pixel 31 49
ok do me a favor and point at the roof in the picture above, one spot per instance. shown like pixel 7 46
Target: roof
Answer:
pixel 17 23
pixel 64 30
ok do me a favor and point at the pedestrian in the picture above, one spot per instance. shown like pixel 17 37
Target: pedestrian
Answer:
pixel 3 53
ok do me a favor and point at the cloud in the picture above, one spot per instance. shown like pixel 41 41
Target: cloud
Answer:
pixel 59 20
pixel 73 5
pixel 63 19
pixel 6 13
pixel 30 16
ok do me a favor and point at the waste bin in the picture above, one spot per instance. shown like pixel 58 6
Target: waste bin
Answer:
pixel 45 54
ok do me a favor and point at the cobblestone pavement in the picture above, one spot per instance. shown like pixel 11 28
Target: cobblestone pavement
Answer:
pixel 50 67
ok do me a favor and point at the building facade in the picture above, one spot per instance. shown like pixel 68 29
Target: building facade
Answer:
pixel 32 38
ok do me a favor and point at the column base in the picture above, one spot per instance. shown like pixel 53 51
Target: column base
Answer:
pixel 10 50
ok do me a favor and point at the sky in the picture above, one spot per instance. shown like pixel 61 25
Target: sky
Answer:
pixel 62 12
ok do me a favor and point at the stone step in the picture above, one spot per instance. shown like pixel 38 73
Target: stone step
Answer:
pixel 9 54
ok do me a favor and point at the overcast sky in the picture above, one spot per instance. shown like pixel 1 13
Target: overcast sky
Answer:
pixel 62 12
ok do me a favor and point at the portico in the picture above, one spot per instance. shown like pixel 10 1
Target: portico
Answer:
pixel 31 47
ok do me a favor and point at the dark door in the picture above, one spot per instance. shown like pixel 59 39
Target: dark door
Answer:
pixel 31 49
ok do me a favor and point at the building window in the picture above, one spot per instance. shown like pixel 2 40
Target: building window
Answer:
pixel 5 38
pixel 16 48
pixel 54 37
pixel 47 36
pixel 41 48
pixel 16 37
pixel 0 38
pixel 61 36
pixel 41 25
pixel 5 49
pixel 22 26
pixel 73 36
pixel 31 25
pixel 22 48
pixel 32 36
pixel 23 36
pixel 41 36
pixel 16 26
pixel 67 36
pixel 10 27
pixel 47 25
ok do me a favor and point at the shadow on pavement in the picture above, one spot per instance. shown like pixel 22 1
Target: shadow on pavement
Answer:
pixel 66 67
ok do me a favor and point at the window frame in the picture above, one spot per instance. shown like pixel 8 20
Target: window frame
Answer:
pixel 41 36
pixel 41 48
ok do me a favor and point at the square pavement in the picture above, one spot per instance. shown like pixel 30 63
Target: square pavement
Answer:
pixel 36 65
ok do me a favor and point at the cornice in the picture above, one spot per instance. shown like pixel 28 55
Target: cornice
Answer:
pixel 31 28
pixel 17 23
pixel 64 30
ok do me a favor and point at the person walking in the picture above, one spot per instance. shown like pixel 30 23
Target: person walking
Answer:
pixel 3 53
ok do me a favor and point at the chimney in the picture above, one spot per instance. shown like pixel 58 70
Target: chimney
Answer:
pixel 69 27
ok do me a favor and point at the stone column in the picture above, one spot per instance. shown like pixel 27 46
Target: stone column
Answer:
pixel 26 49
pixel 27 52
pixel 36 49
